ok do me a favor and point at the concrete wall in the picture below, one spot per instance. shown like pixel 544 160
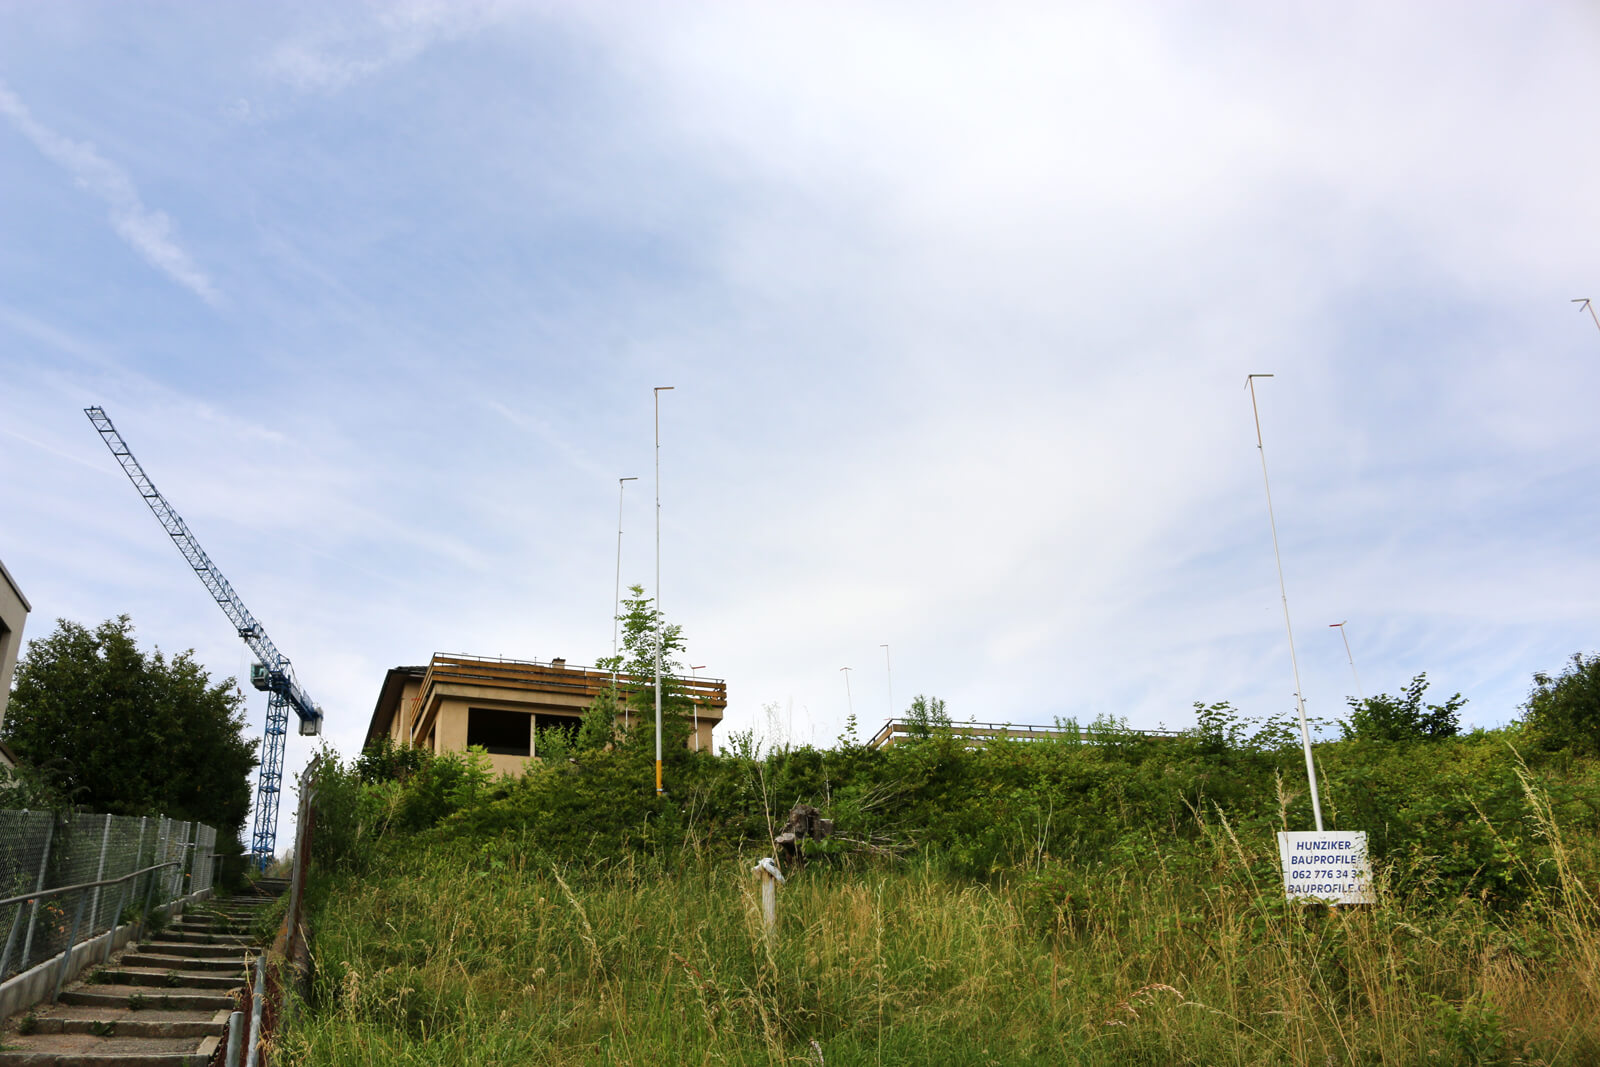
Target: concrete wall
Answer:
pixel 14 610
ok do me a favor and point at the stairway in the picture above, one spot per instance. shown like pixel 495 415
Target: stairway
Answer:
pixel 163 1002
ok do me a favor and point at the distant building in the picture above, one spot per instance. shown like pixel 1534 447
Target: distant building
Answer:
pixel 459 701
pixel 14 608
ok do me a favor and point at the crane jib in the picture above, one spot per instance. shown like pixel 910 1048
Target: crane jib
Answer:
pixel 272 674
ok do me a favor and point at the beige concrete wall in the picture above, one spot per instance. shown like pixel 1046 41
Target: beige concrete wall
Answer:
pixel 13 614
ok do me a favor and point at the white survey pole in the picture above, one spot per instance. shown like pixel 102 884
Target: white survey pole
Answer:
pixel 660 636
pixel 888 670
pixel 1299 697
pixel 695 673
pixel 1585 305
pixel 1340 627
pixel 616 595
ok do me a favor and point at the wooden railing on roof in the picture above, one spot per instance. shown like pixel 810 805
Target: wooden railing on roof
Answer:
pixel 979 733
pixel 586 682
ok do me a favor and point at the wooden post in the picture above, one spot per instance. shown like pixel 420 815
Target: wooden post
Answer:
pixel 771 878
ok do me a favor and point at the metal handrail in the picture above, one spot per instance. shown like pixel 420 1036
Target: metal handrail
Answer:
pixel 41 894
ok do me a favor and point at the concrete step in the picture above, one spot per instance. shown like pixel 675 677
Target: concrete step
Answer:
pixel 125 1022
pixel 203 938
pixel 149 999
pixel 165 979
pixel 211 924
pixel 193 949
pixel 224 964
pixel 90 1050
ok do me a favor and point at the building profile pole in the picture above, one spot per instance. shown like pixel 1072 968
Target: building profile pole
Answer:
pixel 1283 591
pixel 695 672
pixel 1351 657
pixel 658 619
pixel 616 597
pixel 888 669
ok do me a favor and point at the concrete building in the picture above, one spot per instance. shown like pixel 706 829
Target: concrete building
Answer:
pixel 14 608
pixel 458 701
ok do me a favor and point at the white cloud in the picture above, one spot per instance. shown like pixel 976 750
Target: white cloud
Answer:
pixel 149 232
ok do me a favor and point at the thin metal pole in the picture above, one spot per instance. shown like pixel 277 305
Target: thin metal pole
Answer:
pixel 888 670
pixel 1590 309
pixel 1340 627
pixel 235 1037
pixel 660 636
pixel 100 872
pixel 849 700
pixel 1299 697
pixel 66 953
pixel 616 596
pixel 111 934
pixel 695 672
pixel 33 913
pixel 253 1052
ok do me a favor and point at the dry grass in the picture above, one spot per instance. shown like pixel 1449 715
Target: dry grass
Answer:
pixel 494 958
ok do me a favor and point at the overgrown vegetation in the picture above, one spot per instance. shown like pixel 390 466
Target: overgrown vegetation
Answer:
pixel 101 725
pixel 1114 899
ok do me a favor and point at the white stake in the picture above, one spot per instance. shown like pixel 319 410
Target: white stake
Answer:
pixel 1299 698
pixel 771 878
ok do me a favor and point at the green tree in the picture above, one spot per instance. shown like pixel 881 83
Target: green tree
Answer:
pixel 643 626
pixel 1404 717
pixel 112 728
pixel 1564 711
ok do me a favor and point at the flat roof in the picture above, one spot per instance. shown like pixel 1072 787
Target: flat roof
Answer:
pixel 13 584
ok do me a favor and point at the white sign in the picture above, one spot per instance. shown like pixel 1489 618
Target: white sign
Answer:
pixel 1331 866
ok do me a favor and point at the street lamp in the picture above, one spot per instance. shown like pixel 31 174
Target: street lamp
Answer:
pixel 694 673
pixel 848 699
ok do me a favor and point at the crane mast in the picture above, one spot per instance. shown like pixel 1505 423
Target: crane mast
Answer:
pixel 271 674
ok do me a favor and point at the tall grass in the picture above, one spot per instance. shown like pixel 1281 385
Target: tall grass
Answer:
pixel 1175 952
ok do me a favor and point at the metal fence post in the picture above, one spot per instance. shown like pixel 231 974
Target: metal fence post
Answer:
pixel 66 954
pixel 150 886
pixel 111 934
pixel 33 914
pixel 11 940
pixel 235 1036
pixel 254 1051
pixel 100 872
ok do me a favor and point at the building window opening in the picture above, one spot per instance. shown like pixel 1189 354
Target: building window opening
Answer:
pixel 567 724
pixel 501 733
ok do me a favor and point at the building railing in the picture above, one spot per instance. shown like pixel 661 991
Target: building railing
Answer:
pixel 979 733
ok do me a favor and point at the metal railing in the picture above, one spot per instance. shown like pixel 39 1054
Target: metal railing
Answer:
pixel 46 859
pixel 979 733
pixel 77 918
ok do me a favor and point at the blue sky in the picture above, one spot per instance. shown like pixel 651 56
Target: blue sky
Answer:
pixel 957 306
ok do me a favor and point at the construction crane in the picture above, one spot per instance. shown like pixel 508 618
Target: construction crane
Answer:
pixel 272 674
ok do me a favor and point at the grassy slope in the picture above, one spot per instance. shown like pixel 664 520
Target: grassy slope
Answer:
pixel 472 952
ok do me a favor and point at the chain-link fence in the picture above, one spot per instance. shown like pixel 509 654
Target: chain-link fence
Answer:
pixel 40 851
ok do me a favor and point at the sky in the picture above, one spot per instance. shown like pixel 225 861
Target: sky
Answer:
pixel 957 303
